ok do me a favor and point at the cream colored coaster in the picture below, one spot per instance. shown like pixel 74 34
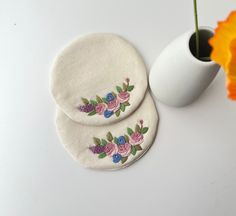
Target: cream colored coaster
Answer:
pixel 98 79
pixel 112 146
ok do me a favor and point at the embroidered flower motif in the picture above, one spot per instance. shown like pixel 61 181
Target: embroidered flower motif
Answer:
pixel 116 158
pixel 123 96
pixel 119 149
pixel 86 108
pixel 124 150
pixel 110 97
pixel 100 108
pixel 108 113
pixel 112 103
pixel 110 149
pixel 136 138
pixel 121 140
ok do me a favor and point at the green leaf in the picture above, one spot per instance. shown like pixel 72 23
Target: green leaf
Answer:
pixel 126 103
pixel 133 150
pixel 117 113
pixel 138 148
pixel 137 128
pixel 122 107
pixel 130 131
pixel 99 100
pixel 109 136
pixel 103 142
pixel 85 101
pixel 119 89
pixel 93 102
pixel 130 88
pixel 124 159
pixel 96 141
pixel 114 94
pixel 116 140
pixel 124 87
pixel 144 130
pixel 126 138
pixel 104 100
pixel 102 155
pixel 92 113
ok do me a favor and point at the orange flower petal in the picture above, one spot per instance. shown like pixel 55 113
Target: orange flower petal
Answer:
pixel 224 50
pixel 224 34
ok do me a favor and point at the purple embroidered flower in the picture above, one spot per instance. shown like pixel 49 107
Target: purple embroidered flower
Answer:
pixel 116 158
pixel 86 108
pixel 97 149
pixel 108 113
pixel 110 97
pixel 121 140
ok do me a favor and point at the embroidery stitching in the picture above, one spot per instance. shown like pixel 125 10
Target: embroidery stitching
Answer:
pixel 120 148
pixel 113 103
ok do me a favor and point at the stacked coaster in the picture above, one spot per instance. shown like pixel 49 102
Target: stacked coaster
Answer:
pixel 105 118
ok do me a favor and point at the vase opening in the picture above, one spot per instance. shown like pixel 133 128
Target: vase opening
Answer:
pixel 204 47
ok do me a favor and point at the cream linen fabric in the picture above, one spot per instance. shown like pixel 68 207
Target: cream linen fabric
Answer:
pixel 77 138
pixel 94 65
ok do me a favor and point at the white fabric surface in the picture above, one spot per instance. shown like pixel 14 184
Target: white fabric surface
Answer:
pixel 77 138
pixel 94 65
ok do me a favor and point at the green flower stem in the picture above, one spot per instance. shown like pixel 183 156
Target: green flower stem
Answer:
pixel 196 28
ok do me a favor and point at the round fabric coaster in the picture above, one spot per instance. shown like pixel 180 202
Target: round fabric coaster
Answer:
pixel 113 146
pixel 98 79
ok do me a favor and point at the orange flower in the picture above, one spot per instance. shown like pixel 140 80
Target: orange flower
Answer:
pixel 224 51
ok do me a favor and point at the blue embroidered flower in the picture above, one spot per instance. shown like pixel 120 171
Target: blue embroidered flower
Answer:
pixel 121 140
pixel 110 97
pixel 108 113
pixel 116 158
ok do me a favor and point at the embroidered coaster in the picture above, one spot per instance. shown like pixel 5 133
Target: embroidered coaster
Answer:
pixel 112 146
pixel 98 79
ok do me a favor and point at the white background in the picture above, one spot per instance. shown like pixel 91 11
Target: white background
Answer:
pixel 189 171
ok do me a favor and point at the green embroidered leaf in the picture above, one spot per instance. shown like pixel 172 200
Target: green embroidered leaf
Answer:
pixel 130 88
pixel 93 102
pixel 124 159
pixel 114 94
pixel 99 100
pixel 133 150
pixel 117 113
pixel 130 131
pixel 116 140
pixel 122 107
pixel 126 103
pixel 96 141
pixel 138 148
pixel 124 87
pixel 119 89
pixel 144 130
pixel 126 138
pixel 85 101
pixel 103 142
pixel 102 155
pixel 104 100
pixel 92 113
pixel 109 136
pixel 137 128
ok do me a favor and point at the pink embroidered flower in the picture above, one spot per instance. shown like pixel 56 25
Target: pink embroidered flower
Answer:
pixel 111 149
pixel 123 97
pixel 124 149
pixel 113 105
pixel 100 108
pixel 136 138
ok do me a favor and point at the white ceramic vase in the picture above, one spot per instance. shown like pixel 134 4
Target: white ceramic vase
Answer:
pixel 177 78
